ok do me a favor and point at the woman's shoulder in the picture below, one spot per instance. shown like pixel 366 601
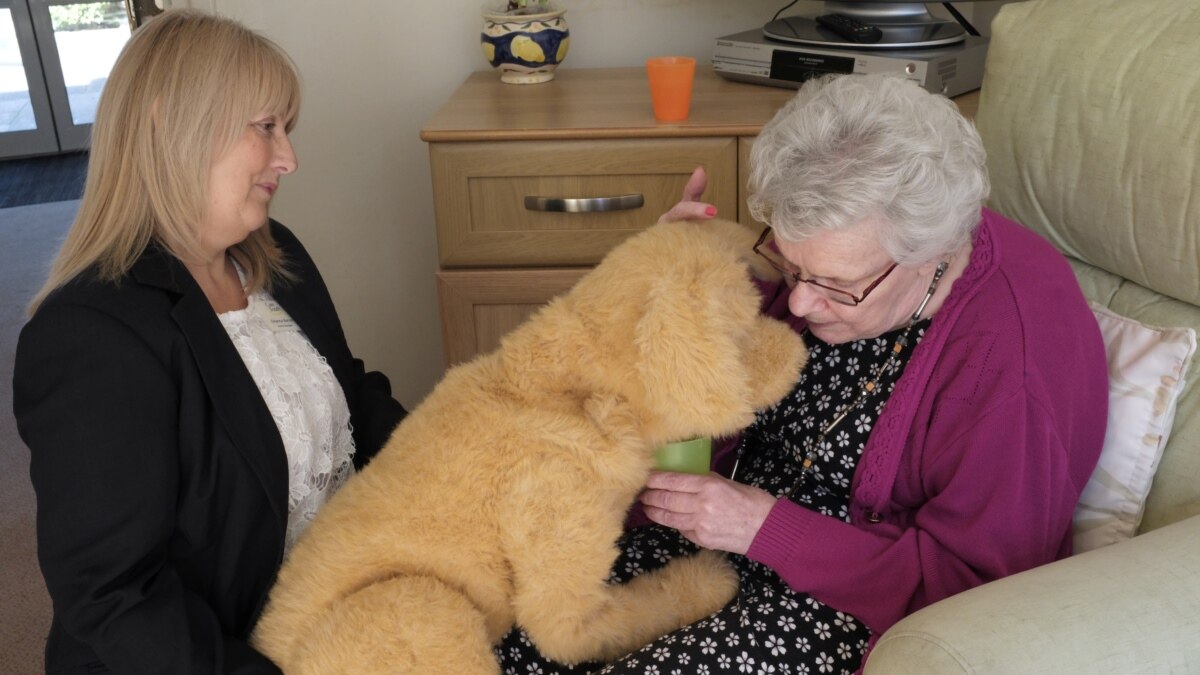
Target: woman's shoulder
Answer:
pixel 1021 248
pixel 1028 312
pixel 90 290
pixel 96 321
pixel 1016 273
pixel 140 299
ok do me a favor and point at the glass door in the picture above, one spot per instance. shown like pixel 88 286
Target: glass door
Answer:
pixel 26 122
pixel 55 56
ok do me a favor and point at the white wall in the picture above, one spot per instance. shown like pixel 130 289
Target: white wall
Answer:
pixel 374 72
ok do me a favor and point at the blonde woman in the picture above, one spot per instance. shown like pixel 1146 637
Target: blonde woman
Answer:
pixel 184 384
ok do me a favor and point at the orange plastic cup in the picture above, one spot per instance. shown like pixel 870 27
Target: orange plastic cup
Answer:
pixel 671 86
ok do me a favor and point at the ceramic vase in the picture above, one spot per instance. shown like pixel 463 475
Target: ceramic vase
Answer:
pixel 525 48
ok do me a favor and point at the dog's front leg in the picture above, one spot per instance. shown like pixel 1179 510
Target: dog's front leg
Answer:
pixel 562 545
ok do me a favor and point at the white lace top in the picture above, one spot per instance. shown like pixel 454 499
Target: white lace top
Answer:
pixel 305 399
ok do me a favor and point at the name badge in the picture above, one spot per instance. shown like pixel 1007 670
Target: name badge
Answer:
pixel 277 317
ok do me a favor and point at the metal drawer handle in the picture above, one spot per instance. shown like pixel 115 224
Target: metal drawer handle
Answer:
pixel 584 205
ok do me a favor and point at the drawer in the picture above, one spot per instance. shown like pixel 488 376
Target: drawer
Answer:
pixel 482 194
pixel 480 306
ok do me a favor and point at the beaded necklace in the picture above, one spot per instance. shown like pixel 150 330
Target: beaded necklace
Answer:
pixel 868 388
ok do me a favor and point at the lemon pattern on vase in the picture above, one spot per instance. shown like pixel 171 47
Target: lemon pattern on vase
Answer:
pixel 525 49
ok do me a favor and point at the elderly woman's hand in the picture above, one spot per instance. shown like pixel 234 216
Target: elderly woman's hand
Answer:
pixel 711 511
pixel 690 207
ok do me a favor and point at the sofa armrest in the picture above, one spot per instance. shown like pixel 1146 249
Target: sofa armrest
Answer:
pixel 1129 607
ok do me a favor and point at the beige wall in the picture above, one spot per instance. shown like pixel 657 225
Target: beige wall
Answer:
pixel 374 72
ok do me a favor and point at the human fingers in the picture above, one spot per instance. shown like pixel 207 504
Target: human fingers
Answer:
pixel 679 482
pixel 689 210
pixel 697 183
pixel 690 206
pixel 710 511
pixel 674 499
pixel 660 507
pixel 669 500
pixel 676 521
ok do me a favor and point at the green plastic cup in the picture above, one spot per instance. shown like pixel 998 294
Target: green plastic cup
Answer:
pixel 691 456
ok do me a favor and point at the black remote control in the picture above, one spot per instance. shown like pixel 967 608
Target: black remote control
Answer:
pixel 850 28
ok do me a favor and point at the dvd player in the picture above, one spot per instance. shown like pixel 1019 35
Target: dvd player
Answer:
pixel 750 57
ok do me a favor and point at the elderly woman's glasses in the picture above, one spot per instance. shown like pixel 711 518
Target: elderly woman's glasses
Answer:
pixel 763 248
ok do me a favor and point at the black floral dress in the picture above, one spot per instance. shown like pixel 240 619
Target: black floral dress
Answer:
pixel 768 628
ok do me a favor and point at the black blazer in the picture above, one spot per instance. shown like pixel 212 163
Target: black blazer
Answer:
pixel 161 478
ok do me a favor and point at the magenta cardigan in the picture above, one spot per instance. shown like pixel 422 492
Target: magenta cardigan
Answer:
pixel 975 465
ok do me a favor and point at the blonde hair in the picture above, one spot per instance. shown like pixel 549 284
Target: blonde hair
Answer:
pixel 179 96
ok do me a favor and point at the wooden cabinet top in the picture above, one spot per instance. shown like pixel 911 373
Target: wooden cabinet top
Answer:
pixel 589 103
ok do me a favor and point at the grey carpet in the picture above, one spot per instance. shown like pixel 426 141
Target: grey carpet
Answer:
pixel 38 180
pixel 29 238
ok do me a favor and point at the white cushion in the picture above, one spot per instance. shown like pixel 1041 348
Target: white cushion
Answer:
pixel 1145 369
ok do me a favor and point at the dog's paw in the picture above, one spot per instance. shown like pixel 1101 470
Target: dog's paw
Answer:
pixel 684 591
pixel 699 584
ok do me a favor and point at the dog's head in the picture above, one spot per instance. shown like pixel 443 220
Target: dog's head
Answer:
pixel 670 321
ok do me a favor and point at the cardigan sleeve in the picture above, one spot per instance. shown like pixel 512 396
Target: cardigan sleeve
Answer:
pixel 99 413
pixel 998 498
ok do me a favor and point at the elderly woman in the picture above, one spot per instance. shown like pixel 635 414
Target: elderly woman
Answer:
pixel 184 385
pixel 952 409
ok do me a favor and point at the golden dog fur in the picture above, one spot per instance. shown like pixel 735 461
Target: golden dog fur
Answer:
pixel 499 500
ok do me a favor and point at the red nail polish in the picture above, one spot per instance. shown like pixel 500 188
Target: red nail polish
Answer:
pixel 710 211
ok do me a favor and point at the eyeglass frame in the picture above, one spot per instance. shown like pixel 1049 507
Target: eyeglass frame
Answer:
pixel 839 296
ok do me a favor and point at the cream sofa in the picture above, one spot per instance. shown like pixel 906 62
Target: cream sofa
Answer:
pixel 1090 112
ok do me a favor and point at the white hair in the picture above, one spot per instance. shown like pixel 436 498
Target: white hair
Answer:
pixel 849 147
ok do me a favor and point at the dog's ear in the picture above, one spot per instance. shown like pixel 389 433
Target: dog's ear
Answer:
pixel 690 341
pixel 772 353
pixel 705 356
pixel 773 356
